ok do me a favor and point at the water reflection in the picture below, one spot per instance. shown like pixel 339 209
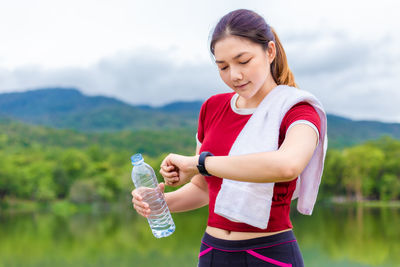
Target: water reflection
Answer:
pixel 333 236
pixel 351 236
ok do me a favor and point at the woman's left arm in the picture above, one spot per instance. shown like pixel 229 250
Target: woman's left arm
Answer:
pixel 282 165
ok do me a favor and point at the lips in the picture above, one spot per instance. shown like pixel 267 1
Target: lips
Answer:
pixel 241 85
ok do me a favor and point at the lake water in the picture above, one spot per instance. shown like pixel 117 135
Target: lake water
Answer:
pixel 332 236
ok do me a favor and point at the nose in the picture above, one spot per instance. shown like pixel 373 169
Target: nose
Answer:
pixel 236 74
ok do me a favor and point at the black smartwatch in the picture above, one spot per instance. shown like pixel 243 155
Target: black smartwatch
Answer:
pixel 200 166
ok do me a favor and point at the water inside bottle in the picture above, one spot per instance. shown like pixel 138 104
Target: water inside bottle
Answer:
pixel 160 219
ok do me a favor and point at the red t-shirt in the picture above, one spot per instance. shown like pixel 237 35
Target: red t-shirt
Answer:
pixel 220 122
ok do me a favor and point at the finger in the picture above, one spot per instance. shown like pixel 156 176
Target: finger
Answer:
pixel 168 160
pixel 140 203
pixel 142 211
pixel 164 162
pixel 162 187
pixel 163 173
pixel 171 179
pixel 168 168
pixel 173 182
pixel 171 167
pixel 169 174
pixel 135 195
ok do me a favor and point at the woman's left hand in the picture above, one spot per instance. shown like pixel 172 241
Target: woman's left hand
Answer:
pixel 177 169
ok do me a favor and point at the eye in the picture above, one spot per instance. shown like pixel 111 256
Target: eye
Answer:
pixel 245 62
pixel 224 68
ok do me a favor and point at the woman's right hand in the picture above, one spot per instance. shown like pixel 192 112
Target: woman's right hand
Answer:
pixel 139 205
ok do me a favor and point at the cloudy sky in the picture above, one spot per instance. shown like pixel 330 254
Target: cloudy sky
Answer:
pixel 347 53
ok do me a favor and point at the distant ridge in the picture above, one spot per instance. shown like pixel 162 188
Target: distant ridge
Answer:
pixel 68 108
pixel 344 132
pixel 39 102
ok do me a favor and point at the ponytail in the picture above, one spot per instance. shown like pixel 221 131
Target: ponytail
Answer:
pixel 279 67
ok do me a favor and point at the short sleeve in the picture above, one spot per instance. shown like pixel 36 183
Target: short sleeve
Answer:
pixel 301 112
pixel 201 126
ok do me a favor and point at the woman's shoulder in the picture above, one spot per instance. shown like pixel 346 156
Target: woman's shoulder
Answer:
pixel 299 112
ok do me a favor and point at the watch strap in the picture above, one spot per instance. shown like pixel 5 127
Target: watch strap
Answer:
pixel 201 166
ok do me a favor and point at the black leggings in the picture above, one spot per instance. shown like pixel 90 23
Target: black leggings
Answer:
pixel 276 250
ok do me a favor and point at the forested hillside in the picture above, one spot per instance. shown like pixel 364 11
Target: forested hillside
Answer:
pixel 45 164
pixel 82 154
pixel 70 109
pixel 38 163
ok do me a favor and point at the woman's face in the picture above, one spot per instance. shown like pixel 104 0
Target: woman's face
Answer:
pixel 244 66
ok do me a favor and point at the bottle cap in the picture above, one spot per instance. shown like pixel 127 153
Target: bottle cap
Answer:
pixel 137 159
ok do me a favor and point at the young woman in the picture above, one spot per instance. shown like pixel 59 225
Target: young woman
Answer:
pixel 252 145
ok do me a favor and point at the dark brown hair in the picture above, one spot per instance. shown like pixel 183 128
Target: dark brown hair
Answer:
pixel 248 24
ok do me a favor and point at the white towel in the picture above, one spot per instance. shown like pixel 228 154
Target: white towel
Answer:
pixel 250 203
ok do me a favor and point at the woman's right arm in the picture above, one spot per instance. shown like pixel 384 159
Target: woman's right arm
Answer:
pixel 192 195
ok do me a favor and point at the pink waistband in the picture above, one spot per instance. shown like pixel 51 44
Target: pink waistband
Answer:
pixel 252 252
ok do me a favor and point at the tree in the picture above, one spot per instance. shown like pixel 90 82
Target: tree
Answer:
pixel 332 180
pixel 363 165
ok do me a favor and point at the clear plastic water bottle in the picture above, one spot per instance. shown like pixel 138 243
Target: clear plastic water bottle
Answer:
pixel 145 180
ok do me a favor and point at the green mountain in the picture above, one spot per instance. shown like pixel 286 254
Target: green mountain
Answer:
pixel 70 109
pixel 344 132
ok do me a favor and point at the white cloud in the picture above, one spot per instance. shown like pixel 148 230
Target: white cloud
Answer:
pixel 148 77
pixel 155 52
pixel 353 78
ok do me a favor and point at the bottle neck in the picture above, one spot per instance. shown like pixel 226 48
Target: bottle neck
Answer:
pixel 139 163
